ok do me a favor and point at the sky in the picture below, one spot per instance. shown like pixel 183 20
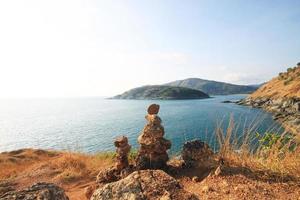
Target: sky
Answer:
pixel 71 48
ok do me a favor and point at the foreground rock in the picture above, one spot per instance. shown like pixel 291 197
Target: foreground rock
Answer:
pixel 39 191
pixel 195 153
pixel 144 185
pixel 153 150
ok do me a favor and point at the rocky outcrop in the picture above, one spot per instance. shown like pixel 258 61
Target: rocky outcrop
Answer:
pixel 285 110
pixel 195 153
pixel 144 185
pixel 39 191
pixel 153 146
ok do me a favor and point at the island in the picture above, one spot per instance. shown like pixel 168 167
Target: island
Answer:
pixel 162 92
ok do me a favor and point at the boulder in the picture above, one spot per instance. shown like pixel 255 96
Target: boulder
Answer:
pixel 295 122
pixel 296 106
pixel 39 191
pixel 144 185
pixel 108 175
pixel 196 152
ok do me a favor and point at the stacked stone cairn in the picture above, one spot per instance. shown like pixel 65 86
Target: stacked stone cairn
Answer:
pixel 121 168
pixel 123 148
pixel 153 146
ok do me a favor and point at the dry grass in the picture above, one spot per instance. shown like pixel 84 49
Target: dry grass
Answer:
pixel 14 162
pixel 285 85
pixel 61 167
pixel 272 157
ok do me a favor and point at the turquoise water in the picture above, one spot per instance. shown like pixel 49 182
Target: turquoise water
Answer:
pixel 91 124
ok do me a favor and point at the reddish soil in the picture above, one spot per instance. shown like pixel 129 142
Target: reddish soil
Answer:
pixel 74 172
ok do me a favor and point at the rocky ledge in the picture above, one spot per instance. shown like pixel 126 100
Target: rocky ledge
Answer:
pixel 39 191
pixel 144 184
pixel 285 110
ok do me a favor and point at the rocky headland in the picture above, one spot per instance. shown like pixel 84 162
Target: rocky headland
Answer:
pixel 280 96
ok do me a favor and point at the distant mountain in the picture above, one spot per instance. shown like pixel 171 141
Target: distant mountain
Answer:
pixel 214 87
pixel 162 92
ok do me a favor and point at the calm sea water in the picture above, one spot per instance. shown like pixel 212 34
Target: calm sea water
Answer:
pixel 91 124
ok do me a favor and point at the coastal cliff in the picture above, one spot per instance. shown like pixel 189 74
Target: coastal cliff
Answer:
pixel 280 96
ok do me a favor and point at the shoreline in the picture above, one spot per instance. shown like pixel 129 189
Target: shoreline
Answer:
pixel 286 111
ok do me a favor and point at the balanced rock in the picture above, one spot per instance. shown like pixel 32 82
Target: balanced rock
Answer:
pixel 144 184
pixel 196 152
pixel 39 191
pixel 152 153
pixel 153 109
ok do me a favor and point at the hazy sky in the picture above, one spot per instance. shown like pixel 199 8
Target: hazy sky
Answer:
pixel 91 48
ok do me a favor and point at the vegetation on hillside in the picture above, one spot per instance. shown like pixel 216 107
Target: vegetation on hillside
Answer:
pixel 287 84
pixel 162 92
pixel 214 87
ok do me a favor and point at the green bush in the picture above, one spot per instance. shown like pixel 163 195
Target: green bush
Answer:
pixel 268 140
pixel 281 76
pixel 290 69
pixel 288 80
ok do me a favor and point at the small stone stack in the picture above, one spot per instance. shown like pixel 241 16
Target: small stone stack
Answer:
pixel 121 168
pixel 153 150
pixel 122 151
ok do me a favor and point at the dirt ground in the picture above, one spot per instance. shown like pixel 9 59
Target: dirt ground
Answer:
pixel 74 172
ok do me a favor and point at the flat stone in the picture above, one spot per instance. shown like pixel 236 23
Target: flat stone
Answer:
pixel 153 109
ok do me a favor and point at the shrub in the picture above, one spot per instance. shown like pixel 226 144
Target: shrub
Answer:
pixel 290 69
pixel 288 80
pixel 281 76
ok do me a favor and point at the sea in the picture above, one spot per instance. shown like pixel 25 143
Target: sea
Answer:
pixel 90 125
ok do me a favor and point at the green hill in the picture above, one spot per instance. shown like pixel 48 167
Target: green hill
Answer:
pixel 162 92
pixel 213 87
